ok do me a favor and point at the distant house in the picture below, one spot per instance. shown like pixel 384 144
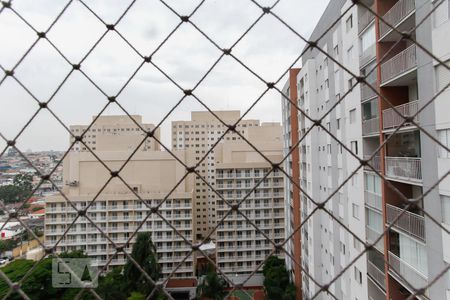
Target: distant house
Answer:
pixel 11 230
pixel 37 214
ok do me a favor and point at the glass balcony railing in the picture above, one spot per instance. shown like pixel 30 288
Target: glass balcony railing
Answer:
pixel 371 126
pixel 368 55
pixel 373 200
pixel 375 162
pixel 372 235
pixel 412 276
pixel 404 168
pixel 365 19
pixel 376 274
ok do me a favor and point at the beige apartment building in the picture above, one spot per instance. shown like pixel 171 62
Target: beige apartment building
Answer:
pixel 116 209
pixel 239 168
pixel 115 133
pixel 200 134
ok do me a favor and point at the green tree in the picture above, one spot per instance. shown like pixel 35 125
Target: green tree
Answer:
pixel 276 280
pixel 7 245
pixel 212 287
pixel 144 253
pixel 136 296
pixel 38 284
pixel 19 191
pixel 113 285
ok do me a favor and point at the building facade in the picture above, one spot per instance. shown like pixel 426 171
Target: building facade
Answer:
pixel 241 173
pixel 118 132
pixel 117 209
pixel 292 186
pixel 415 249
pixel 200 134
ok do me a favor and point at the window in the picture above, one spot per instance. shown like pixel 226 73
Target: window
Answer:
pixel 336 50
pixel 338 124
pixel 355 211
pixel 413 253
pixel 444 138
pixel 358 275
pixel 354 147
pixel 441 13
pixel 349 23
pixel 352 116
pixel 368 39
pixel 356 244
pixel 350 53
pixel 445 200
pixel 350 84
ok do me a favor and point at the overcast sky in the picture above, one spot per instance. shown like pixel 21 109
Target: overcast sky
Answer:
pixel 268 49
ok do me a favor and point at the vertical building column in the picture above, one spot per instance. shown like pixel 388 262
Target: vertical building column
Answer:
pixel 295 155
pixel 431 203
pixel 380 9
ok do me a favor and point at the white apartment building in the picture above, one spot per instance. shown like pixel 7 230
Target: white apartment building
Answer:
pixel 117 210
pixel 240 247
pixel 415 250
pixel 200 134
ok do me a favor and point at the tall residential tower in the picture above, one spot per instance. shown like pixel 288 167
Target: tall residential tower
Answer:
pixel 416 249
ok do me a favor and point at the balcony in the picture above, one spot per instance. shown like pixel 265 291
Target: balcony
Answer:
pixel 407 272
pixel 364 20
pixel 398 16
pixel 375 162
pixel 376 274
pixel 373 200
pixel 371 126
pixel 393 70
pixel 392 119
pixel 408 222
pixel 367 93
pixel 404 168
pixel 367 56
pixel 372 235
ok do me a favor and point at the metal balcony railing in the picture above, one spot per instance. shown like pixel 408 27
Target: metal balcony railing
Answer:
pixel 392 119
pixel 373 200
pixel 406 271
pixel 371 126
pixel 399 64
pixel 396 15
pixel 364 20
pixel 375 162
pixel 367 55
pixel 408 222
pixel 376 274
pixel 404 168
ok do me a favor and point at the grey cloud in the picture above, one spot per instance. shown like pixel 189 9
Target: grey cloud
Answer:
pixel 268 49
